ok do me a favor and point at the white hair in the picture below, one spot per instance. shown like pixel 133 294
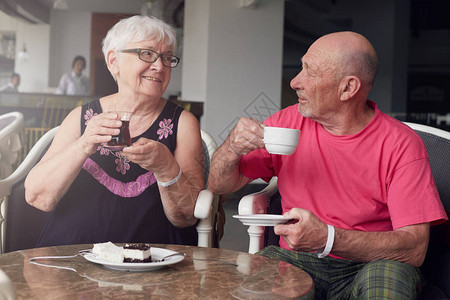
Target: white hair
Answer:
pixel 137 29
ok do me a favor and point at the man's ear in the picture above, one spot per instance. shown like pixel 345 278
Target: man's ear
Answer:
pixel 112 62
pixel 349 87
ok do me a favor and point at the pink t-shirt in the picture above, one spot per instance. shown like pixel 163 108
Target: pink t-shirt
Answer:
pixel 376 180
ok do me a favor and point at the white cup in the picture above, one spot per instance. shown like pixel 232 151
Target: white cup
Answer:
pixel 279 140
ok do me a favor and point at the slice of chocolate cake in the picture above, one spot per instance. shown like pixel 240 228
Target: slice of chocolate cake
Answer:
pixel 137 253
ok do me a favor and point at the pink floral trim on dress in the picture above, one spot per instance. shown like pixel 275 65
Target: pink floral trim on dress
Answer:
pixel 122 189
pixel 89 115
pixel 121 161
pixel 165 128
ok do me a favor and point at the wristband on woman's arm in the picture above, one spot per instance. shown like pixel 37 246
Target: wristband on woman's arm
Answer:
pixel 169 183
pixel 329 245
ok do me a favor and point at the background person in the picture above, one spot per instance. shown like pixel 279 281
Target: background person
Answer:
pixel 144 193
pixel 13 85
pixel 356 171
pixel 74 82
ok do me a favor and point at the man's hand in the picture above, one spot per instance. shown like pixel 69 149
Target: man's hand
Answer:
pixel 224 174
pixel 246 136
pixel 306 233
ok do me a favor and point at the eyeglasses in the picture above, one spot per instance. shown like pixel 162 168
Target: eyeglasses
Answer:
pixel 151 56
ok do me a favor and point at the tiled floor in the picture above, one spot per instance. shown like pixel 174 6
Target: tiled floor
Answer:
pixel 235 233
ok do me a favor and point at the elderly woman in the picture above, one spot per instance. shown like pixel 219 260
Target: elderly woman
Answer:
pixel 144 193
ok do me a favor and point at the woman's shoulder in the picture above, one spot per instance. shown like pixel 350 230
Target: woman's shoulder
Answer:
pixel 187 119
pixel 93 106
pixel 66 75
pixel 65 78
pixel 174 111
pixel 71 123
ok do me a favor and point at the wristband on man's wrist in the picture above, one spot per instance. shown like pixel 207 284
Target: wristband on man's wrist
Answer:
pixel 169 183
pixel 329 245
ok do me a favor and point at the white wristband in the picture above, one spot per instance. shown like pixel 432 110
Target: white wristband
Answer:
pixel 329 245
pixel 169 183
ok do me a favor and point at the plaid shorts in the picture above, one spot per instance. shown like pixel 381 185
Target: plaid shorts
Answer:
pixel 345 279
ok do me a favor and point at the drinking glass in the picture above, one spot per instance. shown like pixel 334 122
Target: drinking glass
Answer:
pixel 123 139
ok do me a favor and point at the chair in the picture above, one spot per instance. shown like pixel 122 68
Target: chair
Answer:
pixel 15 212
pixel 208 208
pixel 437 262
pixel 11 130
pixel 436 267
pixel 30 137
pixel 17 234
pixel 264 201
pixel 55 111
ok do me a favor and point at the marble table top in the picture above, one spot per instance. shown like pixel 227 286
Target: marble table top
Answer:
pixel 205 273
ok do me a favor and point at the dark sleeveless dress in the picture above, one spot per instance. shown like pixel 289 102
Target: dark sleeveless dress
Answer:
pixel 113 199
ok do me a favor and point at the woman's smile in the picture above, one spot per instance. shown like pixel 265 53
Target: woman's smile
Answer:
pixel 151 78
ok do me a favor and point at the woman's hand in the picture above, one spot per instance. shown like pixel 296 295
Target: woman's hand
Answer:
pixel 179 198
pixel 150 155
pixel 99 129
pixel 48 182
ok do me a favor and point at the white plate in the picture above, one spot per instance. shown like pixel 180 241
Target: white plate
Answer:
pixel 156 253
pixel 262 219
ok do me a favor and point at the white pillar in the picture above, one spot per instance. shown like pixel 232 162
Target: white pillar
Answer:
pixel 232 61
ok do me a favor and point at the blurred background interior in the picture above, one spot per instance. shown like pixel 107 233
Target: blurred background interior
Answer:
pixel 237 56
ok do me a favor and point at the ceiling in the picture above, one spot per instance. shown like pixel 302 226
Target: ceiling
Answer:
pixel 38 11
pixel 425 14
pixel 31 11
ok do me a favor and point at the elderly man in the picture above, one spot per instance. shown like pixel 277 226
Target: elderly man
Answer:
pixel 358 178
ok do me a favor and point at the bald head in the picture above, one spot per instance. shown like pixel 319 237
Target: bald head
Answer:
pixel 349 53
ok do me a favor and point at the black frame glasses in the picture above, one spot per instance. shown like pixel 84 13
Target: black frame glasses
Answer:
pixel 144 54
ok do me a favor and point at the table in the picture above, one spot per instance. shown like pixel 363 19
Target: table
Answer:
pixel 205 273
